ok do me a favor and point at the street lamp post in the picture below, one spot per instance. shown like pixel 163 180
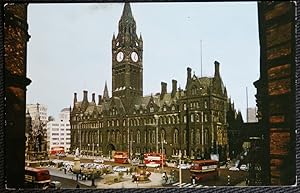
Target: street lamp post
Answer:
pixel 97 149
pixel 128 139
pixel 156 118
pixel 180 176
pixel 202 135
pixel 162 153
pixel 131 152
pixel 93 149
pixel 79 136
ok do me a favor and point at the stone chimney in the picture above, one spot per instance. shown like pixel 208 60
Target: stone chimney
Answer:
pixel 189 73
pixel 99 99
pixel 85 95
pixel 93 98
pixel 174 88
pixel 75 98
pixel 217 69
pixel 163 89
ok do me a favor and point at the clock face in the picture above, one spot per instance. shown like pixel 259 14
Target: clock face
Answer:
pixel 120 56
pixel 134 56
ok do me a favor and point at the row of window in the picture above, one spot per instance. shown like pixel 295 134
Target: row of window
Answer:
pixel 149 137
pixel 151 110
pixel 61 143
pixel 55 138
pixel 141 121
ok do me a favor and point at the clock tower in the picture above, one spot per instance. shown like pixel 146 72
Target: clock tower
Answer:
pixel 127 59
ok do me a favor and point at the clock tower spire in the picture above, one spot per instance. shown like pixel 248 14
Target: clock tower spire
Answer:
pixel 127 58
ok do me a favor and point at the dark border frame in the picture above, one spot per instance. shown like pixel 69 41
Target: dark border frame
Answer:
pixel 294 188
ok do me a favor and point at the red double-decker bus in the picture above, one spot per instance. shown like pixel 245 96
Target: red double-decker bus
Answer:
pixel 155 158
pixel 121 157
pixel 57 150
pixel 202 169
pixel 37 178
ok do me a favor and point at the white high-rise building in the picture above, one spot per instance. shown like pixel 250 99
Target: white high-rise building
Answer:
pixel 38 110
pixel 59 131
pixel 251 111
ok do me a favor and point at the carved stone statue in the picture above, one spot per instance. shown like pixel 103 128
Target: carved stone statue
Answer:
pixel 77 153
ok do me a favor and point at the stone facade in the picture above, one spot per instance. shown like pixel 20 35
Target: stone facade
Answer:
pixel 190 120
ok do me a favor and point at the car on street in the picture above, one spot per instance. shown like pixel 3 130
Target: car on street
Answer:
pixel 55 185
pixel 120 169
pixel 135 162
pixel 184 166
pixel 244 167
pixel 234 169
pixel 61 155
pixel 152 165
pixel 99 161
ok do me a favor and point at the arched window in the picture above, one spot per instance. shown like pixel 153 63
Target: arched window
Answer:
pixel 138 137
pixel 206 137
pixel 149 136
pixel 87 137
pixel 176 136
pixel 124 137
pixel 165 109
pixel 163 135
pixel 118 140
pixel 151 109
pixel 198 136
pixel 108 136
pixel 184 136
pixel 153 136
pixel 173 108
pixel 192 136
pixel 192 117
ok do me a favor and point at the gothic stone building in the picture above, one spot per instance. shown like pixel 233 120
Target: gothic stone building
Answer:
pixel 192 120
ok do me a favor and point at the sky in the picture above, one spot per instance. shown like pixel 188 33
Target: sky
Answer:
pixel 70 48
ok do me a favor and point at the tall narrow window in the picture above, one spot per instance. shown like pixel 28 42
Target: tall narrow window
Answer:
pixel 192 136
pixel 138 137
pixel 153 136
pixel 176 136
pixel 192 117
pixel 198 136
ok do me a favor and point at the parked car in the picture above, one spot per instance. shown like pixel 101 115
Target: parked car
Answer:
pixel 55 185
pixel 135 162
pixel 184 166
pixel 99 161
pixel 244 167
pixel 172 164
pixel 61 155
pixel 234 169
pixel 120 169
pixel 153 165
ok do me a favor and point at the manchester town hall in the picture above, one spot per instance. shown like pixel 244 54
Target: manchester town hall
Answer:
pixel 190 120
